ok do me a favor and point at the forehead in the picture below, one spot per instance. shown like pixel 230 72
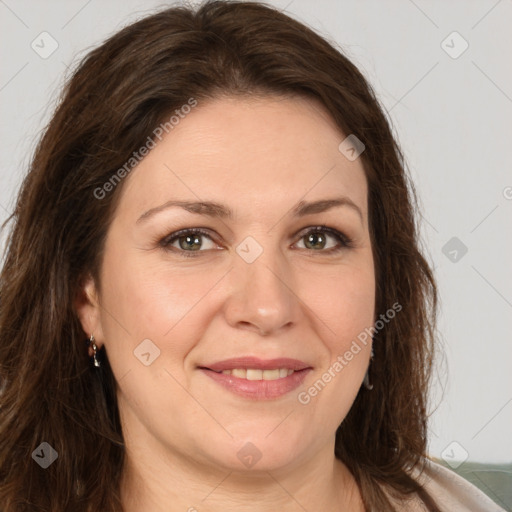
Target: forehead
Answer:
pixel 249 154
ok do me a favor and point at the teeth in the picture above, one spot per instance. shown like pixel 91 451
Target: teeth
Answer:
pixel 254 374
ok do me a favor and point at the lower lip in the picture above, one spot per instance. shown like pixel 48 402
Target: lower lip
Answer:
pixel 259 389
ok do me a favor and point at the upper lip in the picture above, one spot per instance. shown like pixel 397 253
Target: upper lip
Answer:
pixel 259 364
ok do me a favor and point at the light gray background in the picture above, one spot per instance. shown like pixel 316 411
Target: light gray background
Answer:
pixel 452 117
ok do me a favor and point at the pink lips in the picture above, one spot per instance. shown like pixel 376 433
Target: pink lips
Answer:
pixel 258 389
pixel 259 364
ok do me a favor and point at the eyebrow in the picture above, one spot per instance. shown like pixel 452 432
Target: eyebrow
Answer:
pixel 217 210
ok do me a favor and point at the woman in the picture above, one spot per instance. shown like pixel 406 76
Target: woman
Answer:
pixel 212 296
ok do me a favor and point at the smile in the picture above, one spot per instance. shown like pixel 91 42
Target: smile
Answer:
pixel 256 374
pixel 252 384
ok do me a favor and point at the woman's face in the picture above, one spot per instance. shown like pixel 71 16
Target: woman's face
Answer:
pixel 257 283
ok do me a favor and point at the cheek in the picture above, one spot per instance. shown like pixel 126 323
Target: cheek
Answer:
pixel 343 301
pixel 347 311
pixel 156 301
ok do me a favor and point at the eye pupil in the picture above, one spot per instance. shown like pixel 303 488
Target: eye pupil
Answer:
pixel 194 240
pixel 315 237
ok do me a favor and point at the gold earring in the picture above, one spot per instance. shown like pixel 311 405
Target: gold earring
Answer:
pixel 95 348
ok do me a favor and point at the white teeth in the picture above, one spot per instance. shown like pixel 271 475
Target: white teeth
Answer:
pixel 255 374
pixel 270 374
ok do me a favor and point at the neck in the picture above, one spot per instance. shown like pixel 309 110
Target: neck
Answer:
pixel 177 483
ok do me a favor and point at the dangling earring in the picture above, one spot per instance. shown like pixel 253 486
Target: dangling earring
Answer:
pixel 95 348
pixel 366 380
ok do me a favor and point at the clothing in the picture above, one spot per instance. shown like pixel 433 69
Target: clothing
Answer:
pixel 451 492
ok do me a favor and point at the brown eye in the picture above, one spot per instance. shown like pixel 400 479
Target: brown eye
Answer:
pixel 190 242
pixel 317 238
pixel 187 240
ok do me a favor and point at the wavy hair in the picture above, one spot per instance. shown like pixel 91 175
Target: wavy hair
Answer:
pixel 116 96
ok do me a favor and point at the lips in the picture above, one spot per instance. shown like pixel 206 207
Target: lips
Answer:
pixel 257 364
pixel 255 378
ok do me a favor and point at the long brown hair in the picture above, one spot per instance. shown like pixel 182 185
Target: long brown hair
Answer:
pixel 112 103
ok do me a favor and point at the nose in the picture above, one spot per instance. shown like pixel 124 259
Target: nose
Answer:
pixel 263 297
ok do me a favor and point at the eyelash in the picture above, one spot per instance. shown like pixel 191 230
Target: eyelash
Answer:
pixel 345 241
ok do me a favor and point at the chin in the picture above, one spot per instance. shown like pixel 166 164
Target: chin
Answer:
pixel 261 453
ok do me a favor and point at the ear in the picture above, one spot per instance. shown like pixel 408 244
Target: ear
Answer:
pixel 88 309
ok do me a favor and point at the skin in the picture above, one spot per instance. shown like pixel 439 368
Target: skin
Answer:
pixel 183 430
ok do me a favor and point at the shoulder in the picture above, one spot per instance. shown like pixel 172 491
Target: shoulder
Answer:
pixel 451 492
